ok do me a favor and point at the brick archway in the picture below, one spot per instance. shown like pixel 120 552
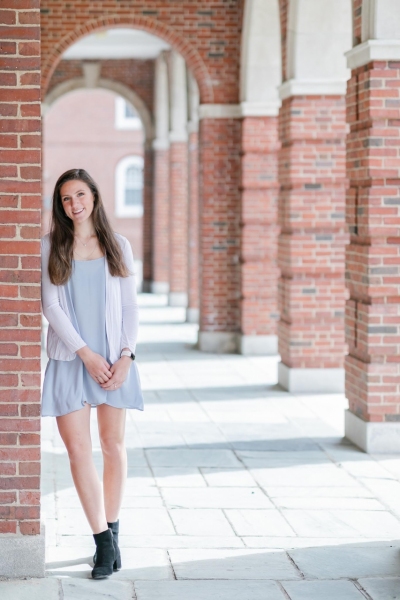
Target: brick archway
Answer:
pixel 113 86
pixel 165 32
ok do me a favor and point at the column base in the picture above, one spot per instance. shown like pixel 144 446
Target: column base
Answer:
pixel 146 286
pixel 192 315
pixel 329 381
pixel 218 342
pixel 159 287
pixel 177 299
pixel 22 556
pixel 249 345
pixel 371 437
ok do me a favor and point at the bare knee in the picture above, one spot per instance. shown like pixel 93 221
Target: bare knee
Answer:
pixel 78 450
pixel 112 447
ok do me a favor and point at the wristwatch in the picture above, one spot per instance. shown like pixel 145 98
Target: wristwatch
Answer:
pixel 128 353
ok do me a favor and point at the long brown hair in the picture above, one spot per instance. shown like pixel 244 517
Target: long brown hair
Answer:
pixel 62 232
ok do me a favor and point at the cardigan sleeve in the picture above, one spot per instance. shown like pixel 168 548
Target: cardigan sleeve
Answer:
pixel 130 312
pixel 52 310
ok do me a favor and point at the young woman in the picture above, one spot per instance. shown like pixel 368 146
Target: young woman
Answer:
pixel 89 300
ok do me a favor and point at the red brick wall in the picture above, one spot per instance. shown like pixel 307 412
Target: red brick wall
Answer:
pixel 161 216
pixel 137 75
pixel 178 217
pixel 259 311
pixel 220 178
pixel 373 256
pixel 193 250
pixel 312 239
pixel 20 202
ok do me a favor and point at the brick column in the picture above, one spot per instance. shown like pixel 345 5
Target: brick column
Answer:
pixel 312 242
pixel 21 542
pixel 148 239
pixel 192 311
pixel 220 157
pixel 160 283
pixel 373 256
pixel 259 311
pixel 178 188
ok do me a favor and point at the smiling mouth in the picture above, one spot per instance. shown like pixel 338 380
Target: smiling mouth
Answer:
pixel 78 212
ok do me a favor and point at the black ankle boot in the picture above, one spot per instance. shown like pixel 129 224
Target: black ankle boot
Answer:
pixel 115 531
pixel 105 554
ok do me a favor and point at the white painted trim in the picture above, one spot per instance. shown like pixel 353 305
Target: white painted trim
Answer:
pixel 220 111
pixel 178 136
pixel 295 87
pixel 177 299
pixel 192 315
pixel 372 437
pixel 311 380
pixel 373 50
pixel 159 287
pixel 260 109
pixel 121 120
pixel 256 345
pixel 121 210
pixel 91 74
pixel 161 144
pixel 217 342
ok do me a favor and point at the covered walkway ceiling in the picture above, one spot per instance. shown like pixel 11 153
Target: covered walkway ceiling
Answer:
pixel 117 43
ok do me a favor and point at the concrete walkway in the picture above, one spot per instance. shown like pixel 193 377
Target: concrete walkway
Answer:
pixel 237 490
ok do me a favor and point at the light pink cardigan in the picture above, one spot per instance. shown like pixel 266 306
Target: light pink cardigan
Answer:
pixel 122 317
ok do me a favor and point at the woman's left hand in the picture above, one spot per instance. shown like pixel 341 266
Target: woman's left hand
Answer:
pixel 119 370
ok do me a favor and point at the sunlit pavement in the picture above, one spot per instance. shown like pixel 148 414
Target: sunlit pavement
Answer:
pixel 236 489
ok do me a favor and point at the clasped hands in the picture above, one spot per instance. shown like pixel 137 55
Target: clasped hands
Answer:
pixel 108 377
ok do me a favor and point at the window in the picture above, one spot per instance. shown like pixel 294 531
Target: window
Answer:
pixel 129 187
pixel 125 115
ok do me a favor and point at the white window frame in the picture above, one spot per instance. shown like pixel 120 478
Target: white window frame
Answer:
pixel 121 210
pixel 121 120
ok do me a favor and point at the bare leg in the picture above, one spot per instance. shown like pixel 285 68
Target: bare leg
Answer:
pixel 74 429
pixel 112 432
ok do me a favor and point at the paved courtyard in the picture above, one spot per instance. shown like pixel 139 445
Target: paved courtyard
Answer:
pixel 236 490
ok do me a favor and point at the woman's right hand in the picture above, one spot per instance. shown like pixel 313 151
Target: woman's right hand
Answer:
pixel 97 366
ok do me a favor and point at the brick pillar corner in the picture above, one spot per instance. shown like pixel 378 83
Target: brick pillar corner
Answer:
pixel 220 179
pixel 21 538
pixel 373 256
pixel 312 243
pixel 259 280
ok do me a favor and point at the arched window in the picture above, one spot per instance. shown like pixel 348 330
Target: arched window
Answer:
pixel 129 187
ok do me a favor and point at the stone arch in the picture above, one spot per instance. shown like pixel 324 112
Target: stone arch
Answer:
pixel 261 65
pixel 107 84
pixel 167 33
pixel 380 20
pixel 319 32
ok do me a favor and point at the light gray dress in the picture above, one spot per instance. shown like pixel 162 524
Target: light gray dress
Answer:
pixel 67 385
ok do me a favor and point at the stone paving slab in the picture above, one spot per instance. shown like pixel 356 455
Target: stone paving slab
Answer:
pixel 382 589
pixel 103 589
pixel 30 589
pixel 249 497
pixel 232 564
pixel 350 562
pixel 204 590
pixel 326 590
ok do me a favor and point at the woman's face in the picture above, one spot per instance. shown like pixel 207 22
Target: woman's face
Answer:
pixel 77 200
